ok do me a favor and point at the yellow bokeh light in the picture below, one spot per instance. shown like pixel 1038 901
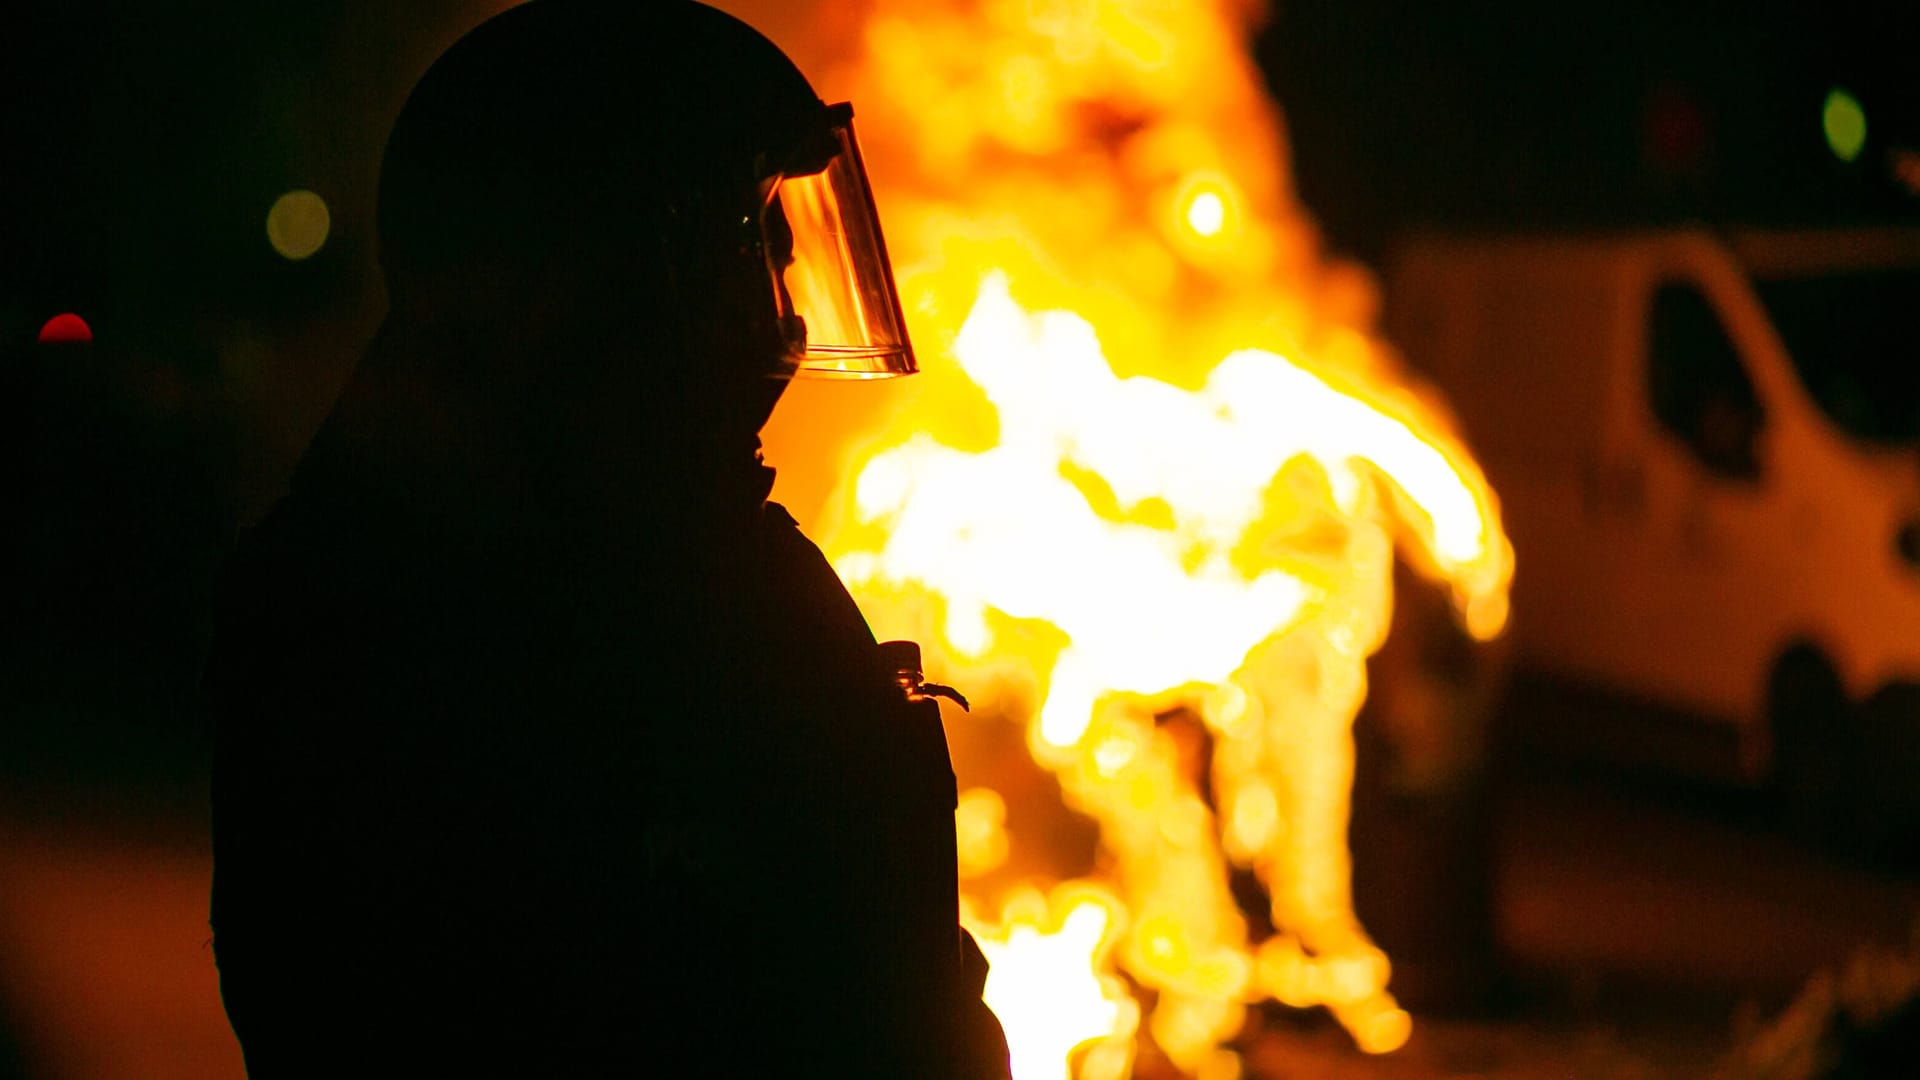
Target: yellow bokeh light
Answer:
pixel 298 224
pixel 1207 213
pixel 980 834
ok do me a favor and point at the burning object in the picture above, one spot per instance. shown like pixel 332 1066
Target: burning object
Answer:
pixel 1170 469
pixel 1243 568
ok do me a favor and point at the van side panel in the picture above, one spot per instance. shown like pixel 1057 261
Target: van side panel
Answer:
pixel 1533 346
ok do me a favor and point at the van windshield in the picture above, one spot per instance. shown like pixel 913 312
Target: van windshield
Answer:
pixel 1852 336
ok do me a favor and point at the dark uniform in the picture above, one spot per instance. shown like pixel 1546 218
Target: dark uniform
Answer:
pixel 681 817
pixel 548 747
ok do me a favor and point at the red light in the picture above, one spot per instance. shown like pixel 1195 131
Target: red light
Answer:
pixel 66 329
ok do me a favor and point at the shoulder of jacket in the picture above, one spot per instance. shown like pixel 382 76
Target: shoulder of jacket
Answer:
pixel 798 562
pixel 783 540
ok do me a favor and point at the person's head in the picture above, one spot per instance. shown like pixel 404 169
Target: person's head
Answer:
pixel 615 188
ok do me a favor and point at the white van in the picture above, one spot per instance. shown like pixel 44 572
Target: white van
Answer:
pixel 1707 448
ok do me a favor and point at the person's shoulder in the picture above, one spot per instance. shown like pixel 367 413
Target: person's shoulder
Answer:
pixel 787 546
pixel 798 565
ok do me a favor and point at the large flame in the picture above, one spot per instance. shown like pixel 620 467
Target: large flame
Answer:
pixel 1158 462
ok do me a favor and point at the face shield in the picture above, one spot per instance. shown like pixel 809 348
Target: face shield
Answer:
pixel 839 307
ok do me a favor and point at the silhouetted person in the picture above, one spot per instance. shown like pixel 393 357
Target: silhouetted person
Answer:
pixel 547 746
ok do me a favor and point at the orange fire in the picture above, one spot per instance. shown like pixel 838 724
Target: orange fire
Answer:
pixel 1158 461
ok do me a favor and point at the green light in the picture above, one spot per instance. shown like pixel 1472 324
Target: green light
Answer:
pixel 1845 123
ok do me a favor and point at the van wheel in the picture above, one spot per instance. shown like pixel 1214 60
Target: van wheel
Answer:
pixel 1815 752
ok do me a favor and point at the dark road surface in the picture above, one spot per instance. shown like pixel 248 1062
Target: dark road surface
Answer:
pixel 1641 924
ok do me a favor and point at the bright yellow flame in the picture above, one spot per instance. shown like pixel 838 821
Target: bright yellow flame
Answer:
pixel 1207 213
pixel 1157 464
pixel 1271 579
pixel 298 224
pixel 1046 986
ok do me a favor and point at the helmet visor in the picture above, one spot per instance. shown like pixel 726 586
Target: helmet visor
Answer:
pixel 832 278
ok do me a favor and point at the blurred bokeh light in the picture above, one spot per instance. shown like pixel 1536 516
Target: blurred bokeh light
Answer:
pixel 1207 214
pixel 66 329
pixel 1845 123
pixel 298 224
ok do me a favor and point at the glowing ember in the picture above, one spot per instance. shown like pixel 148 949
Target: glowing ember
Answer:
pixel 1157 467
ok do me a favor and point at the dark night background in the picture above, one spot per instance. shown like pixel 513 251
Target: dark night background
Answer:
pixel 1534 114
pixel 142 144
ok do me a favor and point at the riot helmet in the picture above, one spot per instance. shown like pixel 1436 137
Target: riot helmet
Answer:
pixel 674 148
